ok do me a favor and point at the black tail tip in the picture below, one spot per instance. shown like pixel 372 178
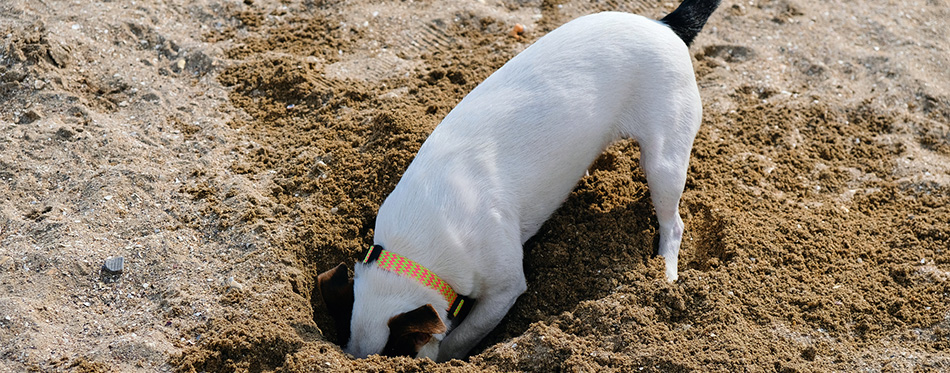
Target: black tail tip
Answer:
pixel 690 17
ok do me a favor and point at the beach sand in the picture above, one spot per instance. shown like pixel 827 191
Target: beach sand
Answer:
pixel 230 151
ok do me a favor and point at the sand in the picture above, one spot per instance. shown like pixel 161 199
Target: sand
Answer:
pixel 231 151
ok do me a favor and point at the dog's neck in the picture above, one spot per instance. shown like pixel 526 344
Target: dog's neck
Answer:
pixel 458 304
pixel 387 284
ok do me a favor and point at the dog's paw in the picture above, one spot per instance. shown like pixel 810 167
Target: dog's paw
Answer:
pixel 672 276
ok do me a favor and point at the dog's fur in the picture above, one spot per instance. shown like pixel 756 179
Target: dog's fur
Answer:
pixel 505 158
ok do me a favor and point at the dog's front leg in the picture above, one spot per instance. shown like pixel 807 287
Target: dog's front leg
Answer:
pixel 487 313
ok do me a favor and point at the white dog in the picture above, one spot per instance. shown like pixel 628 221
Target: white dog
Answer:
pixel 449 238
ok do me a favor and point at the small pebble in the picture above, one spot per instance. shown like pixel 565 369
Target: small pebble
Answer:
pixel 517 31
pixel 31 116
pixel 231 283
pixel 114 264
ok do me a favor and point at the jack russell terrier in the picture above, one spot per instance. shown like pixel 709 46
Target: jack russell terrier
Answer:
pixel 448 240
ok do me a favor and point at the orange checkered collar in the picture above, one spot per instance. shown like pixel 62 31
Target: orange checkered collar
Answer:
pixel 459 305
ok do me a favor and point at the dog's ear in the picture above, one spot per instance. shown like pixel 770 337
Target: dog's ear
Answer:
pixel 409 331
pixel 336 288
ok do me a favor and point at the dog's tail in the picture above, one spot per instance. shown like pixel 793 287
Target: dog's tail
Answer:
pixel 688 19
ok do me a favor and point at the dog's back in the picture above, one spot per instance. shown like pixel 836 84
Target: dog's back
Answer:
pixel 513 149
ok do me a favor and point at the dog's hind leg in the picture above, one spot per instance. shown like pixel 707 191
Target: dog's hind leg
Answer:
pixel 666 176
pixel 664 157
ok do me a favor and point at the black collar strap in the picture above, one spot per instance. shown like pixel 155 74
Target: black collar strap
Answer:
pixel 459 305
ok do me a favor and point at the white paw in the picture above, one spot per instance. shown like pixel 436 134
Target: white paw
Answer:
pixel 671 275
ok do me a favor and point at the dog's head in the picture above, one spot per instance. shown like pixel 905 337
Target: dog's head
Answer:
pixel 378 316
